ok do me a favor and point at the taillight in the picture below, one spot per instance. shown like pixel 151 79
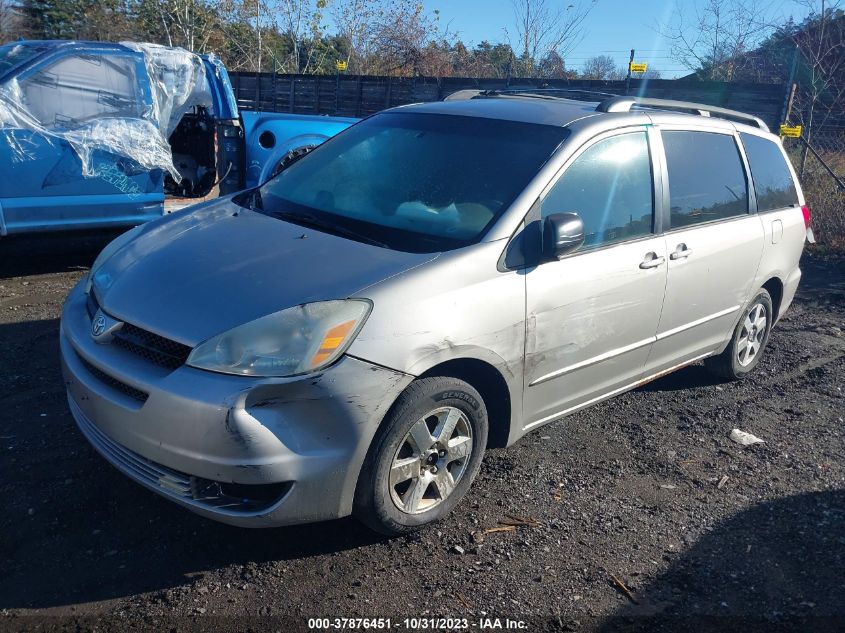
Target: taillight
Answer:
pixel 806 211
pixel 809 230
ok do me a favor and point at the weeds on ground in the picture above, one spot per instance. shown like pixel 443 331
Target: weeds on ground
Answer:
pixel 824 195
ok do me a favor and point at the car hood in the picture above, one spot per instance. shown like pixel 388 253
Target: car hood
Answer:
pixel 198 273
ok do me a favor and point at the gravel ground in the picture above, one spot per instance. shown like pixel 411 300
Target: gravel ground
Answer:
pixel 645 491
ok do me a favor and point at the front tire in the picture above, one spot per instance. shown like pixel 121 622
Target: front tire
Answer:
pixel 424 458
pixel 748 342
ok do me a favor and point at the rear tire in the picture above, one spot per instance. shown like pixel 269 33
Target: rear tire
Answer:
pixel 424 458
pixel 748 342
pixel 290 158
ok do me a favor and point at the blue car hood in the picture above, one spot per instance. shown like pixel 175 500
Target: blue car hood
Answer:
pixel 197 273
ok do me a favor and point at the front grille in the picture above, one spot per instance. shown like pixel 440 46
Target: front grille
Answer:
pixel 233 498
pixel 114 383
pixel 176 483
pixel 152 347
pixel 91 304
pixel 156 349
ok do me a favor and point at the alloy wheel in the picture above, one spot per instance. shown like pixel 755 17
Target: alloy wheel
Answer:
pixel 430 460
pixel 753 334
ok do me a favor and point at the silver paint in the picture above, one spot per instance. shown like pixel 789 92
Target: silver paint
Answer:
pixel 562 335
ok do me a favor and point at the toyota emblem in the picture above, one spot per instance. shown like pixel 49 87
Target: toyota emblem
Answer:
pixel 98 325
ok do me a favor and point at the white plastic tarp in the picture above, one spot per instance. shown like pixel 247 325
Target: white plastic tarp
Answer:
pixel 97 101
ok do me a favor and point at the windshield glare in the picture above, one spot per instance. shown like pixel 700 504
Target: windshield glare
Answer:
pixel 414 182
pixel 14 54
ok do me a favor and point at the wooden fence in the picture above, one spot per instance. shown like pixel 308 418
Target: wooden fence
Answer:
pixel 362 95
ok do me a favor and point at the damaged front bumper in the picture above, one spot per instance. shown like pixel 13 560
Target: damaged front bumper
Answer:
pixel 254 452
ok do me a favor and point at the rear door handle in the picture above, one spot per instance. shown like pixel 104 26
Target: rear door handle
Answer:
pixel 652 260
pixel 681 252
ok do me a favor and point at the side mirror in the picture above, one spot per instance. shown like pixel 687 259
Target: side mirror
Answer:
pixel 562 234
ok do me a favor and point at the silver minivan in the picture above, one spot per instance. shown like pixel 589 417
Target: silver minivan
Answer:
pixel 349 337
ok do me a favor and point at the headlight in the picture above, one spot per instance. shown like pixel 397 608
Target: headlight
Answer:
pixel 298 340
pixel 111 248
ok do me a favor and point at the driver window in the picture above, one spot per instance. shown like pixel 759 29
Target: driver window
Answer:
pixel 80 88
pixel 610 186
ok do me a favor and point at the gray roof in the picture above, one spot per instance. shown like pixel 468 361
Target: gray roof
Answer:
pixel 547 111
pixel 564 112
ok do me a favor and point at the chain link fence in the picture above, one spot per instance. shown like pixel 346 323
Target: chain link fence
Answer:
pixel 819 159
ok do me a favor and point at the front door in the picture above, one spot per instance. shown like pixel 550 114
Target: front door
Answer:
pixel 592 316
pixel 42 186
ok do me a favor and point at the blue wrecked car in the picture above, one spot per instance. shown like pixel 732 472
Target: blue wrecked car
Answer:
pixel 98 134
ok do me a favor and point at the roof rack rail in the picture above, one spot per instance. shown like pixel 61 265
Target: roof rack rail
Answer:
pixel 462 95
pixel 624 104
pixel 540 93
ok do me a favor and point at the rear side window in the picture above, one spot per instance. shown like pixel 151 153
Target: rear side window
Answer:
pixel 609 186
pixel 81 88
pixel 773 182
pixel 706 178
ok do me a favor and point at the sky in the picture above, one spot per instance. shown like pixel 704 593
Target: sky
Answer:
pixel 613 27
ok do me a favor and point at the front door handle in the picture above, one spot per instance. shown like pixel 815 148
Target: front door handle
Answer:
pixel 652 260
pixel 681 252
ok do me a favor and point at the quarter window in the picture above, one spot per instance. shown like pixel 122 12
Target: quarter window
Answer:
pixel 80 88
pixel 706 178
pixel 773 182
pixel 610 187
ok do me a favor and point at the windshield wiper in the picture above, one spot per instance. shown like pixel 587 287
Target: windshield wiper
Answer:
pixel 255 202
pixel 249 199
pixel 313 222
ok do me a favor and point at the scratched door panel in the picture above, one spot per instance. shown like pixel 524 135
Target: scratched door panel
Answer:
pixel 591 324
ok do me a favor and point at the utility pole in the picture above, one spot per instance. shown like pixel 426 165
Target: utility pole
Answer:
pixel 628 79
pixel 258 33
pixel 789 97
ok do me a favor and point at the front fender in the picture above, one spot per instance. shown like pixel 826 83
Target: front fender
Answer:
pixel 429 357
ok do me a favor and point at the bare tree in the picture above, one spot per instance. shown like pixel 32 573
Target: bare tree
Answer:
pixel 402 38
pixel 300 21
pixel 353 20
pixel 544 26
pixel 187 23
pixel 820 44
pixel 713 37
pixel 821 47
pixel 243 23
pixel 602 67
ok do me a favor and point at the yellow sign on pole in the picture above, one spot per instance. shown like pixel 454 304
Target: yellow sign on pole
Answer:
pixel 638 67
pixel 341 65
pixel 792 132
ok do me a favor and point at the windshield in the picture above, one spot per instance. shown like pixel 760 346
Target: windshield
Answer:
pixel 412 182
pixel 14 54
